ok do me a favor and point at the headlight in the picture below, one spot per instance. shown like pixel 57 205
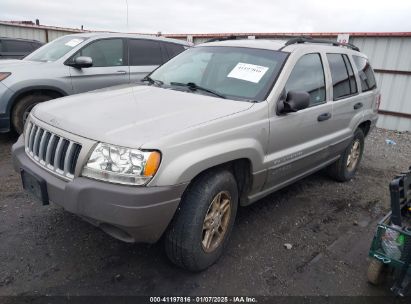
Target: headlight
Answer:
pixel 4 75
pixel 122 165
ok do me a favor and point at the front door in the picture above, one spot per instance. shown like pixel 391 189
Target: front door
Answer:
pixel 299 142
pixel 109 66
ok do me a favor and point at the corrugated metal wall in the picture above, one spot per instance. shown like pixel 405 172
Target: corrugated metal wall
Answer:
pixel 40 34
pixel 392 54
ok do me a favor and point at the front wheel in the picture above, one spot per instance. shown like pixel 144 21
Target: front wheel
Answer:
pixel 22 110
pixel 202 225
pixel 345 167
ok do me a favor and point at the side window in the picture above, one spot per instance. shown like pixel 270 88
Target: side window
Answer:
pixel 366 74
pixel 353 83
pixel 308 76
pixel 342 76
pixel 173 49
pixel 17 46
pixel 144 52
pixel 105 53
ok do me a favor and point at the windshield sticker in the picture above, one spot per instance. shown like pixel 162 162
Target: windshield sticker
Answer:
pixel 74 42
pixel 248 72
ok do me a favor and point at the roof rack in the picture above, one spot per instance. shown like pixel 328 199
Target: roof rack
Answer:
pixel 307 39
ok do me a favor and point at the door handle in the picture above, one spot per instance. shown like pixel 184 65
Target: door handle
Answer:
pixel 358 106
pixel 324 116
pixel 121 72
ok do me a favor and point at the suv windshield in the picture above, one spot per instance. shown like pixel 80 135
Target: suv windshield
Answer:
pixel 233 72
pixel 55 49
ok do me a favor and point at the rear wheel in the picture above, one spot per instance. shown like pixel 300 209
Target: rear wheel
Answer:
pixel 22 110
pixel 346 166
pixel 202 225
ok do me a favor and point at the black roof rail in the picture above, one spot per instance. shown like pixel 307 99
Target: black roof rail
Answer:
pixel 307 39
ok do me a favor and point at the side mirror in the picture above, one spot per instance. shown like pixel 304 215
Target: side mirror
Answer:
pixel 294 101
pixel 83 62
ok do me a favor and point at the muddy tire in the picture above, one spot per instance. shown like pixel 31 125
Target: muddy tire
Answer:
pixel 375 272
pixel 346 166
pixel 202 225
pixel 22 109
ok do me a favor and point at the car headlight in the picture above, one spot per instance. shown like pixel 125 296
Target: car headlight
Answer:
pixel 122 165
pixel 4 75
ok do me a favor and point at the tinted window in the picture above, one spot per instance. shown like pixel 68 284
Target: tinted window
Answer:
pixel 366 74
pixel 173 49
pixel 144 52
pixel 308 76
pixel 107 52
pixel 353 83
pixel 342 77
pixel 17 46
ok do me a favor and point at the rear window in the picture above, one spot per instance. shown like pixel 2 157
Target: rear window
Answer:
pixel 366 74
pixel 342 75
pixel 14 46
pixel 144 52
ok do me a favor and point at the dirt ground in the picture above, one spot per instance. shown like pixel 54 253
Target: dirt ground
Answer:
pixel 47 251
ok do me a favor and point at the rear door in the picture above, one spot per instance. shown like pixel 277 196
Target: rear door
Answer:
pixel 144 56
pixel 109 65
pixel 299 142
pixel 347 103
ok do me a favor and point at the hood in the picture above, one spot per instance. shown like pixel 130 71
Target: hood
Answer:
pixel 129 116
pixel 16 63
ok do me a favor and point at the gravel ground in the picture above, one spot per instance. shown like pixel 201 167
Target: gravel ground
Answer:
pixel 45 250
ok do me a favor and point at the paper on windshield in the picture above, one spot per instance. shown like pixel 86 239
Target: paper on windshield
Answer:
pixel 74 42
pixel 248 72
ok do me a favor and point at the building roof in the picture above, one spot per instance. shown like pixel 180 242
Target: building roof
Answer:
pixel 29 24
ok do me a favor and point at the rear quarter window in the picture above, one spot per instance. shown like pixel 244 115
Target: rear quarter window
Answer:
pixel 365 73
pixel 173 49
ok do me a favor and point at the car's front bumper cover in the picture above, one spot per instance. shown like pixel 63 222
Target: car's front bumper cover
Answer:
pixel 132 214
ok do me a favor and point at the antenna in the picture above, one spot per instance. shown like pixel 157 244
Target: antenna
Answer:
pixel 127 15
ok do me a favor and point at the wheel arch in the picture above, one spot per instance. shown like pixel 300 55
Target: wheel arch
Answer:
pixel 42 89
pixel 365 126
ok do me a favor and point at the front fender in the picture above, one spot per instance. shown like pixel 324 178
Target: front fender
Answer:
pixel 186 166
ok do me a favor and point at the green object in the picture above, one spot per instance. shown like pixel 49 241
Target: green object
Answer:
pixel 377 250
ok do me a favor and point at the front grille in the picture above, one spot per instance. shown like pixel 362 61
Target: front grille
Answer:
pixel 51 151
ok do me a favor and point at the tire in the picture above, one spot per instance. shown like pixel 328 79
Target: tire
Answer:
pixel 375 272
pixel 23 107
pixel 186 238
pixel 343 169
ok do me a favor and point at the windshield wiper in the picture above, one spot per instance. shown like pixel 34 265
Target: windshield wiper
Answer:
pixel 152 81
pixel 194 87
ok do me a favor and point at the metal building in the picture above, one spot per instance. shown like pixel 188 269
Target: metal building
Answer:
pixel 389 53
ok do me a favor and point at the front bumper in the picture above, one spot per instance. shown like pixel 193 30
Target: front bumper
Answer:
pixel 131 214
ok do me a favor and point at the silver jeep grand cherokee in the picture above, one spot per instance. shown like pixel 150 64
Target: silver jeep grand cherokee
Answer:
pixel 219 126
